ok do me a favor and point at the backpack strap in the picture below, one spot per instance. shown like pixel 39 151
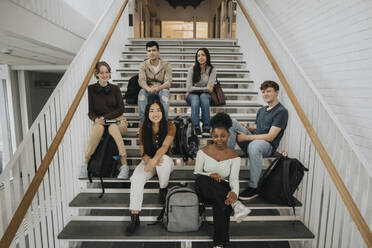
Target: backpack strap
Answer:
pixel 267 172
pixel 285 171
pixel 103 188
pixel 203 215
pixel 159 218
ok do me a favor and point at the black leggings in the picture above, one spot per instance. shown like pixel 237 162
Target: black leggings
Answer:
pixel 212 192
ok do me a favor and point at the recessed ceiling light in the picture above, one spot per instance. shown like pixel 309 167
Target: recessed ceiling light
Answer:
pixel 6 51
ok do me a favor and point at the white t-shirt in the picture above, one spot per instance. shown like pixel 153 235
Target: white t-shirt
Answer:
pixel 156 68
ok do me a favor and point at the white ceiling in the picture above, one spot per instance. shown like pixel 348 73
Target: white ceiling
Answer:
pixel 30 52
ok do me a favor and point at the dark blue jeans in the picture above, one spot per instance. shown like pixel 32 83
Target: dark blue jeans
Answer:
pixel 197 102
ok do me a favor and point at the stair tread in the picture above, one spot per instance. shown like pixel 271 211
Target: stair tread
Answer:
pixel 183 79
pixel 235 105
pixel 184 69
pixel 185 175
pixel 248 244
pixel 184 53
pixel 245 231
pixel 226 91
pixel 187 61
pixel 150 200
pixel 163 46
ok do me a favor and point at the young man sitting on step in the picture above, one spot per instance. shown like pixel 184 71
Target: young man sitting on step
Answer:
pixel 155 79
pixel 262 139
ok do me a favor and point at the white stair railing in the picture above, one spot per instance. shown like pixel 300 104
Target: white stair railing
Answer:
pixel 324 211
pixel 49 210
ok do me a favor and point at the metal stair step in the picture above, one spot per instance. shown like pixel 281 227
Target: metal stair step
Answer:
pixel 121 201
pixel 150 213
pixel 239 117
pixel 184 70
pixel 249 244
pixel 183 80
pixel 181 175
pixel 180 53
pixel 165 46
pixel 226 91
pixel 229 103
pixel 245 231
pixel 169 56
pixel 187 61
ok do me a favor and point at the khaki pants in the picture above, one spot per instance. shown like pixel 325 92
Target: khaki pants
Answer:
pixel 115 130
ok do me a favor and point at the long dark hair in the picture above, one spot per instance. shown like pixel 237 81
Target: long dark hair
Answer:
pixel 149 147
pixel 196 69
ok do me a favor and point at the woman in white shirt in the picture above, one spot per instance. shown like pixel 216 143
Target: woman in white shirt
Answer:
pixel 215 163
pixel 199 84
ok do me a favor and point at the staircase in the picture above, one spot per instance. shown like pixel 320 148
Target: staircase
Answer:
pixel 102 222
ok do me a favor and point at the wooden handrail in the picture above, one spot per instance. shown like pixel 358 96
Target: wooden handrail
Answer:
pixel 340 185
pixel 21 211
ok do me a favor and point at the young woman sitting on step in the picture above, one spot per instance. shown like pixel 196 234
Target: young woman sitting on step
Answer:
pixel 106 103
pixel 214 163
pixel 155 139
pixel 199 84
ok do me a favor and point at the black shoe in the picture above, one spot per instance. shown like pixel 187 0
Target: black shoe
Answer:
pixel 198 132
pixel 206 133
pixel 135 221
pixel 248 194
pixel 162 195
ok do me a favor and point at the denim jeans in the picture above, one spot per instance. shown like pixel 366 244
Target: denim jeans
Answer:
pixel 144 96
pixel 256 150
pixel 198 102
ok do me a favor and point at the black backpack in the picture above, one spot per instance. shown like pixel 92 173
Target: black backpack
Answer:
pixel 133 88
pixel 280 181
pixel 102 163
pixel 186 142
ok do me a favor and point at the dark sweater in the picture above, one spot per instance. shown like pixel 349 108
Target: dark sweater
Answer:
pixel 109 105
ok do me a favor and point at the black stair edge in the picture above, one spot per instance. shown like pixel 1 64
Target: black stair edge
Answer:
pixel 155 212
pixel 234 244
pixel 149 199
pixel 245 231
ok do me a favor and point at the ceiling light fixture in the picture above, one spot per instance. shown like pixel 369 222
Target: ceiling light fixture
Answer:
pixel 6 51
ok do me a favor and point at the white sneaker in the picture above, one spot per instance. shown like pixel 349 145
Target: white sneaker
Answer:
pixel 83 171
pixel 240 211
pixel 123 172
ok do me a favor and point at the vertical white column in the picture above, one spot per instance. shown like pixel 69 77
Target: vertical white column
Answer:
pixel 8 134
pixel 24 101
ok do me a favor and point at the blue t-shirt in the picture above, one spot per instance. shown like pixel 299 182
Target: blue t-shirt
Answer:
pixel 265 119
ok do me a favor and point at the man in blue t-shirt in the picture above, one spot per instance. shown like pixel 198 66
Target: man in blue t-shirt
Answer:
pixel 262 139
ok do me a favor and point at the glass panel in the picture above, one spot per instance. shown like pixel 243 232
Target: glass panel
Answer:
pixel 202 30
pixel 174 29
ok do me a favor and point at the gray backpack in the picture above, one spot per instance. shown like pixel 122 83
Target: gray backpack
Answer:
pixel 182 211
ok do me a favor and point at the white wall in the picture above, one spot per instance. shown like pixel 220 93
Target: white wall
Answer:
pixel 90 9
pixel 58 13
pixel 257 63
pixel 332 42
pixel 21 21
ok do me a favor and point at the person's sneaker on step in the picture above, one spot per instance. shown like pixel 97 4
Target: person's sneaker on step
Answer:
pixel 248 194
pixel 162 195
pixel 206 133
pixel 123 172
pixel 240 211
pixel 83 171
pixel 198 132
